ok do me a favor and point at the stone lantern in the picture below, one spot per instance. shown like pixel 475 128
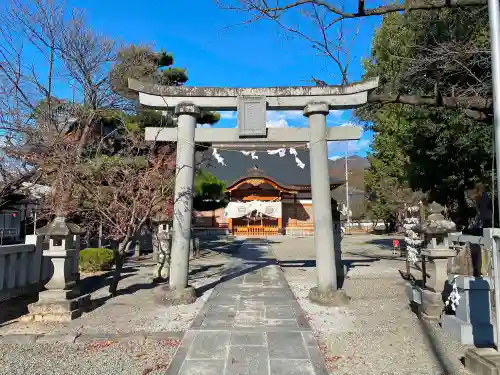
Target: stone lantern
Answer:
pixel 435 257
pixel 61 301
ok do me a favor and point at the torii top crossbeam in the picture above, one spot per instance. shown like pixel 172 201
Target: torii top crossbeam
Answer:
pixel 278 98
pixel 252 104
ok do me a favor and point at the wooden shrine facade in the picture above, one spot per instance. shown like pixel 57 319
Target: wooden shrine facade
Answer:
pixel 265 178
pixel 295 201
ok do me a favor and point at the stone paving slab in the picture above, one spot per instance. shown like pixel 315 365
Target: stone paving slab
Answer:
pixel 251 325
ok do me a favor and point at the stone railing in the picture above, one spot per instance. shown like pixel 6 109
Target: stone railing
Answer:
pixel 457 286
pixel 472 254
pixel 26 268
pixel 209 231
pixel 21 268
pixel 50 274
pixel 468 314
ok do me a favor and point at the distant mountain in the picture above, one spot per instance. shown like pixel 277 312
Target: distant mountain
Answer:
pixel 356 166
pixel 353 162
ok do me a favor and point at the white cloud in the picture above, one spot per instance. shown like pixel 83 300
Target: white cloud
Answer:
pixel 277 119
pixel 336 112
pixel 339 148
pixel 348 124
pixel 292 114
pixel 280 119
pixel 228 115
pixel 281 123
pixel 335 157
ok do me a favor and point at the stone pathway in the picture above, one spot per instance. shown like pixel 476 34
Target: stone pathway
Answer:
pixel 251 325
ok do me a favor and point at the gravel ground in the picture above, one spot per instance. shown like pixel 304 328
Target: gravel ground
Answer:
pixel 135 309
pixel 376 333
pixel 98 357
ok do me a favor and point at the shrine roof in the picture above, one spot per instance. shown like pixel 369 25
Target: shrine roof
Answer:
pixel 283 170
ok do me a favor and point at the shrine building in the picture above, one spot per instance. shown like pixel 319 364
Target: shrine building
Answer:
pixel 269 194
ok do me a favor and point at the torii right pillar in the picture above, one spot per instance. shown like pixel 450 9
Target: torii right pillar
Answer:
pixel 327 269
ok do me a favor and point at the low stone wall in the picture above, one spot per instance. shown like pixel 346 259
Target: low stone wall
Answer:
pixel 299 232
pixel 21 268
pixel 210 232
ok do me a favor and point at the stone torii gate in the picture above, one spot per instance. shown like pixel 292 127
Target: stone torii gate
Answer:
pixel 251 104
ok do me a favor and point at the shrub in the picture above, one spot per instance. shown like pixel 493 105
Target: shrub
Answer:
pixel 96 259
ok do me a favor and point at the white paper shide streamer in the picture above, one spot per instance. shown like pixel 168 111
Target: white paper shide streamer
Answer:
pixel 251 153
pixel 281 152
pixel 217 157
pixel 299 162
pixel 454 297
pixel 412 240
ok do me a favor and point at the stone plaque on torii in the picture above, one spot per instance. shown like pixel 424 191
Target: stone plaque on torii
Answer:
pixel 252 104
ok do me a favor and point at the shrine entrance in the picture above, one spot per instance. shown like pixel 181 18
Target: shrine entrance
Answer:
pixel 255 206
pixel 251 105
pixel 255 225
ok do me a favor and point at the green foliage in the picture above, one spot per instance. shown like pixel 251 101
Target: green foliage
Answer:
pixel 96 259
pixel 210 118
pixel 208 186
pixel 440 152
pixel 209 191
pixel 142 63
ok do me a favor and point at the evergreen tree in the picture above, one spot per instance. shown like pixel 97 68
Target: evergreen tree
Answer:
pixel 441 152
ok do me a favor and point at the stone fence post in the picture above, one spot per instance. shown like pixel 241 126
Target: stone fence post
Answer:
pixel 35 275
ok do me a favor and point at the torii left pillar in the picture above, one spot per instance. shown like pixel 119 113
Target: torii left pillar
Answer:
pixel 178 290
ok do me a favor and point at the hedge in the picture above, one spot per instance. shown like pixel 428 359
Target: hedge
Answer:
pixel 96 259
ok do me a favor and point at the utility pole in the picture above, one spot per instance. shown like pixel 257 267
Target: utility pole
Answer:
pixel 348 227
pixel 494 16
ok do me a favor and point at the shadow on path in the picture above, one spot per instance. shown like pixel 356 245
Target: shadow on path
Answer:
pixel 436 348
pixel 250 255
pixel 348 265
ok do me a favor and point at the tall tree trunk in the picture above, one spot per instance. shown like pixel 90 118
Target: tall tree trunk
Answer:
pixel 119 261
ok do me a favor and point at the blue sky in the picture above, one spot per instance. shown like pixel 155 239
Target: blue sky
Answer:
pixel 215 55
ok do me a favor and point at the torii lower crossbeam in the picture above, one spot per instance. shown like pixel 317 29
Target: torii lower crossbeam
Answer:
pixel 274 135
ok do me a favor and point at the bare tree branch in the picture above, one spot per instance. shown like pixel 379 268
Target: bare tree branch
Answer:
pixel 328 36
pixel 476 107
pixel 407 6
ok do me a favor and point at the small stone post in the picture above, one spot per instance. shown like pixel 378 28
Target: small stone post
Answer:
pixel 326 293
pixel 61 301
pixel 179 291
